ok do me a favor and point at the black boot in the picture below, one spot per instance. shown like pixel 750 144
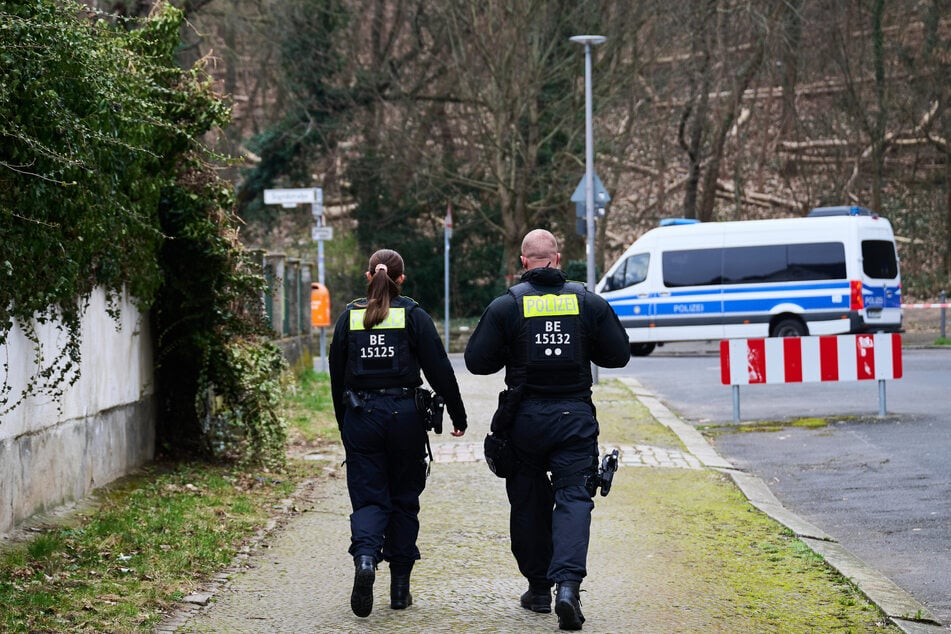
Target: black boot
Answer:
pixel 400 597
pixel 361 599
pixel 568 605
pixel 537 598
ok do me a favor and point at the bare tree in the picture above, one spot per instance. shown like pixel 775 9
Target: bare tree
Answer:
pixel 791 44
pixel 693 118
pixel 712 109
pixel 512 109
pixel 935 57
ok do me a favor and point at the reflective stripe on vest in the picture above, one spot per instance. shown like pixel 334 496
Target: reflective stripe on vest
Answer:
pixel 549 305
pixel 396 318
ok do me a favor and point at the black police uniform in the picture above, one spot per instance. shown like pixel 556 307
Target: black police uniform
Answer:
pixel 385 438
pixel 545 332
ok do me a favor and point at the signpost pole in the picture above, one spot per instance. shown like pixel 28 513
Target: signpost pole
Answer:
pixel 447 234
pixel 587 41
pixel 882 409
pixel 736 404
pixel 317 208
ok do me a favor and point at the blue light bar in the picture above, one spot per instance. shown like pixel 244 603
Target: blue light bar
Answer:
pixel 667 222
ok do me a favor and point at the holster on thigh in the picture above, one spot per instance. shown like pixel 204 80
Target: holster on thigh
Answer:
pixel 583 473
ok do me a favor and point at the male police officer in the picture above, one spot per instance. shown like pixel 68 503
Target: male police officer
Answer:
pixel 546 332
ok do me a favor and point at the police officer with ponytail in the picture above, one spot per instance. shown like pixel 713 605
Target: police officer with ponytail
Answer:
pixel 380 345
pixel 546 332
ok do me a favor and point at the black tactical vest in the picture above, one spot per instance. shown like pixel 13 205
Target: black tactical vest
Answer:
pixel 381 356
pixel 550 351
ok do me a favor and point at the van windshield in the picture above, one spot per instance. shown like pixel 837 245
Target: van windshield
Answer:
pixel 879 260
pixel 631 271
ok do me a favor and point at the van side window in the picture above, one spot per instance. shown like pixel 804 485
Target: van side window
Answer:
pixel 631 271
pixel 695 267
pixel 817 261
pixel 879 260
pixel 784 263
pixel 755 265
pixel 751 265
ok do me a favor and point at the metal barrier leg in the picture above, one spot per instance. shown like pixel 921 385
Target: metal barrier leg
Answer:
pixel 736 404
pixel 881 398
pixel 323 349
pixel 944 300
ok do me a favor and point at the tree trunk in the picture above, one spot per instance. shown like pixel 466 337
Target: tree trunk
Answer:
pixel 792 29
pixel 695 115
pixel 696 110
pixel 881 116
pixel 947 223
pixel 709 189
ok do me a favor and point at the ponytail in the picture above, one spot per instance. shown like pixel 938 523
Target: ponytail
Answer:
pixel 386 266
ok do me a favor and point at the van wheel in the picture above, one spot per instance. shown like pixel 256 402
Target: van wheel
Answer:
pixel 790 328
pixel 641 349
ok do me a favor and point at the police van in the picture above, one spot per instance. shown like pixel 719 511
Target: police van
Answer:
pixel 833 272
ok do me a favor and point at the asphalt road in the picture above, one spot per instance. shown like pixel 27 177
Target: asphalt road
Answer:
pixel 881 486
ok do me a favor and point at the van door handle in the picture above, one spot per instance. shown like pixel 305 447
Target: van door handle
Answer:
pixel 642 295
pixel 664 294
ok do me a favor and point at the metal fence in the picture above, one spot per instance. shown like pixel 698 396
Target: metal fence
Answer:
pixel 287 298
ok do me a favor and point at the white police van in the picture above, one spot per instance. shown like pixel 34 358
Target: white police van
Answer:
pixel 833 272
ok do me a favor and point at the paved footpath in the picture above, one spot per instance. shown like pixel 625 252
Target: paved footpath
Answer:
pixel 298 578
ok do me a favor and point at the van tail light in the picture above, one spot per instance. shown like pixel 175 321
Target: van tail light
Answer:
pixel 855 295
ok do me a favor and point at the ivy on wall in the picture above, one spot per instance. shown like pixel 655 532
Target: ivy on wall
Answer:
pixel 104 182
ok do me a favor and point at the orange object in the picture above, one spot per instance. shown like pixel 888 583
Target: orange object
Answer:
pixel 319 305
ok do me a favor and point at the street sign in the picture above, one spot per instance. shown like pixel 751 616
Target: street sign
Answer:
pixel 601 199
pixel 322 233
pixel 292 196
pixel 601 195
pixel 581 210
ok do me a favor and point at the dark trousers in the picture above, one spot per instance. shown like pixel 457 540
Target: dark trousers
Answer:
pixel 551 527
pixel 386 471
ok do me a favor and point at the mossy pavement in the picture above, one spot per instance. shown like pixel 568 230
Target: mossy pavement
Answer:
pixel 676 547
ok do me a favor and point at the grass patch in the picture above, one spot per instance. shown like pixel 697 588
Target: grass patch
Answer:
pixel 773 426
pixel 727 557
pixel 308 409
pixel 741 428
pixel 149 539
pixel 810 423
pixel 942 341
pixel 625 420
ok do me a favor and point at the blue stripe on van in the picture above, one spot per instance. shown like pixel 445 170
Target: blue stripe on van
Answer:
pixel 628 309
pixel 765 304
pixel 737 299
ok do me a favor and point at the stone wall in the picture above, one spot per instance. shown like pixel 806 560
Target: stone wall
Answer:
pixel 57 450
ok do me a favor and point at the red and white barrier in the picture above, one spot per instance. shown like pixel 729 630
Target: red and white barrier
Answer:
pixel 810 359
pixel 926 305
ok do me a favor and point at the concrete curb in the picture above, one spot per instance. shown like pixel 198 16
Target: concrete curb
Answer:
pixel 902 609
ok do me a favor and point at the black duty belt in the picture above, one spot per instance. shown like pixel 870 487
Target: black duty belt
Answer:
pixel 389 391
